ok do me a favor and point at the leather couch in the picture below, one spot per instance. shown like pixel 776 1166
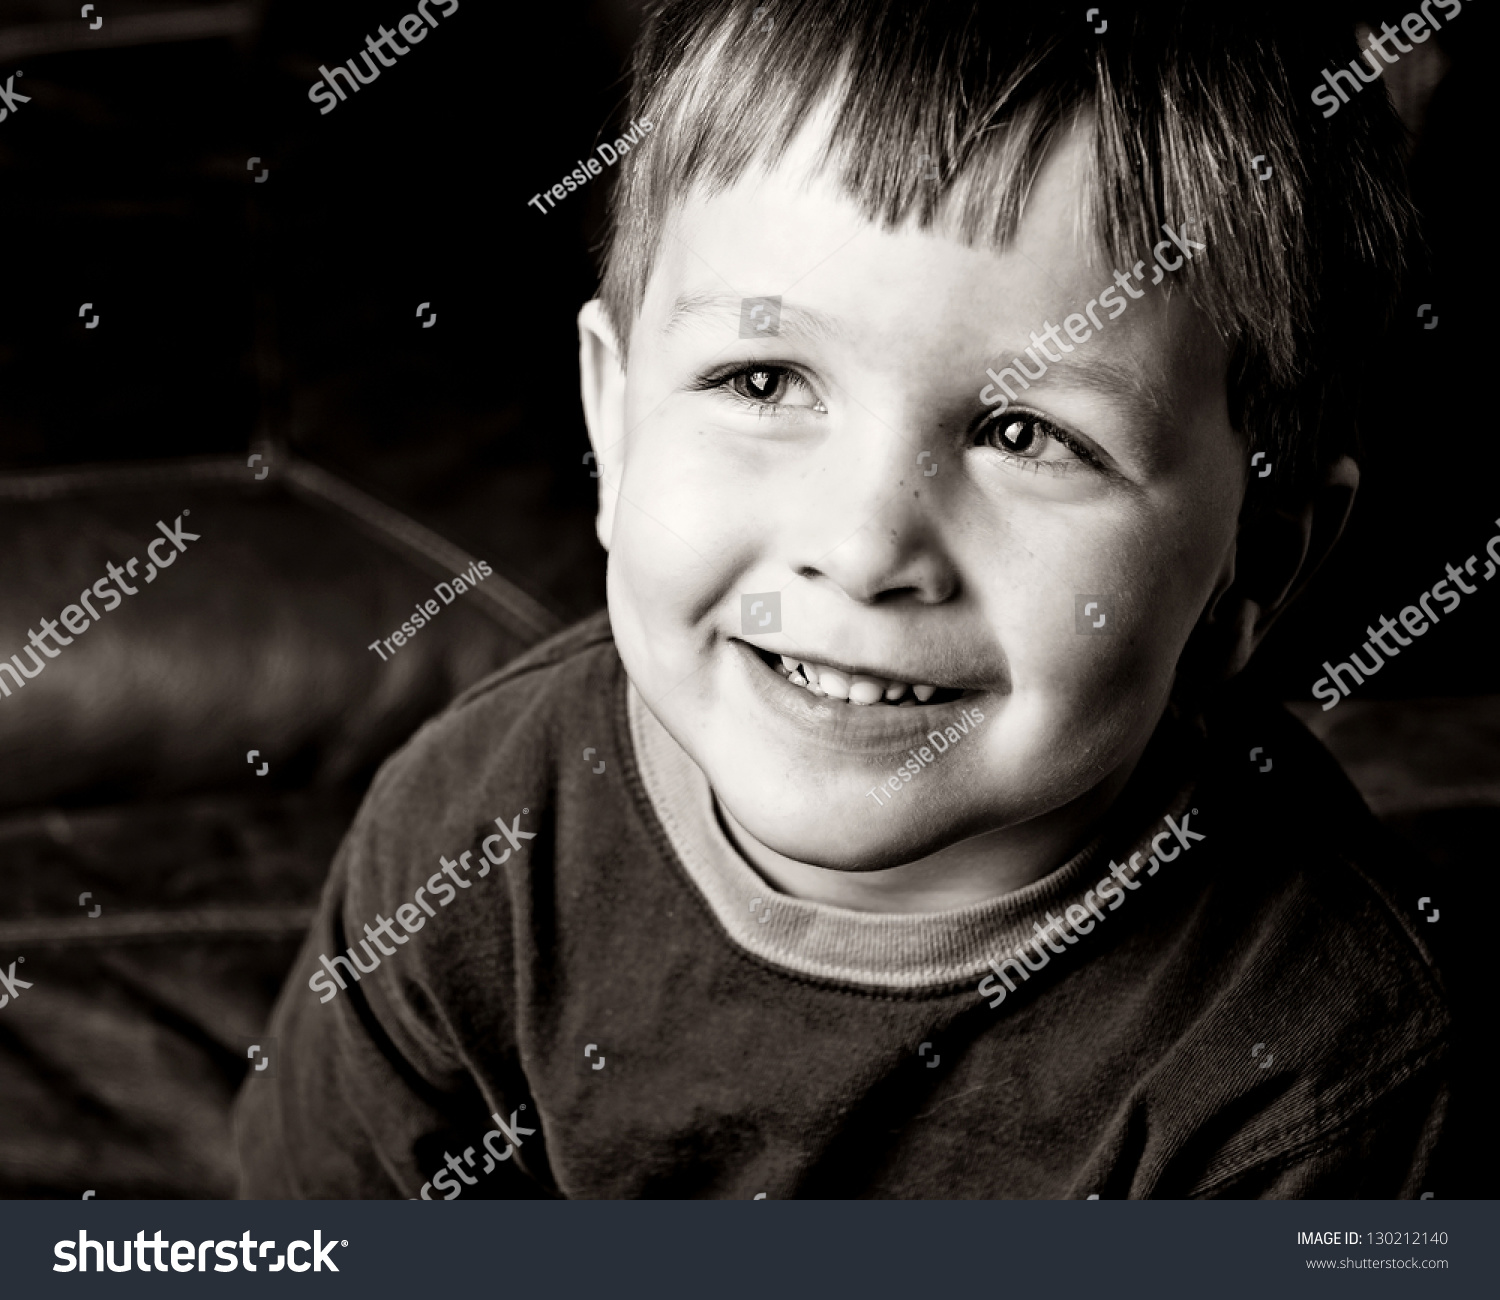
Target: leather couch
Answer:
pixel 154 884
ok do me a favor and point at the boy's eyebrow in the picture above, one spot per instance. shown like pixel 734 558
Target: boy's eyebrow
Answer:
pixel 725 308
pixel 1109 379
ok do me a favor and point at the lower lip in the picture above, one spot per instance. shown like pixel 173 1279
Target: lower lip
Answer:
pixel 838 725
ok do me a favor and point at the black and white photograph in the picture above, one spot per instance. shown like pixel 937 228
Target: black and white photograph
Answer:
pixel 813 601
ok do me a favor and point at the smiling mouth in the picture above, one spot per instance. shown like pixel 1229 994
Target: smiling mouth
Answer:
pixel 853 687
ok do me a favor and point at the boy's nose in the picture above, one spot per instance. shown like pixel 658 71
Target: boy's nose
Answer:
pixel 869 524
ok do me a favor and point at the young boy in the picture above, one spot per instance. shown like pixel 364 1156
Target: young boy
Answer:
pixel 894 836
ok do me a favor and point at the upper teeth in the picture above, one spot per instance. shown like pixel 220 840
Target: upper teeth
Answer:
pixel 857 688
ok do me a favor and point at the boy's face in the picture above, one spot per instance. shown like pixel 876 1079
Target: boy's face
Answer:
pixel 846 463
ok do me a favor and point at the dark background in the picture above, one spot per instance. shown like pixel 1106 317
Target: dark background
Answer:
pixel 234 312
pixel 279 318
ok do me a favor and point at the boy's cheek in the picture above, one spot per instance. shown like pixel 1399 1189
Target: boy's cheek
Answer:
pixel 1075 688
pixel 681 477
pixel 1081 684
pixel 666 586
pixel 652 598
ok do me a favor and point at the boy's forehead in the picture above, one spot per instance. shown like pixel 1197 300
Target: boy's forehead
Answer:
pixel 790 231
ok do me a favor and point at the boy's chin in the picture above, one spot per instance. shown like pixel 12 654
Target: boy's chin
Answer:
pixel 854 839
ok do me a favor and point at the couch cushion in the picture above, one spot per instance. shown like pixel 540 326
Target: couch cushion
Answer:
pixel 256 637
pixel 118 1065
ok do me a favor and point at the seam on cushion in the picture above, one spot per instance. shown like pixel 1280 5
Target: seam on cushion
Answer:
pixel 307 479
pixel 521 613
pixel 48 485
pixel 155 926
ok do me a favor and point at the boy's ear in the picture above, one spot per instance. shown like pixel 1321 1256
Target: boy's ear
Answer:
pixel 1276 554
pixel 602 377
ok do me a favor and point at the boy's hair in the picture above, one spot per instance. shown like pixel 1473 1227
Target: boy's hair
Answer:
pixel 1302 269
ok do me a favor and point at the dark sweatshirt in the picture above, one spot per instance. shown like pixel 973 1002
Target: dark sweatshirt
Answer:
pixel 622 1007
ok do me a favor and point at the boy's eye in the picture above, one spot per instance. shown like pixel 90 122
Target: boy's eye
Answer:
pixel 760 385
pixel 768 386
pixel 1019 436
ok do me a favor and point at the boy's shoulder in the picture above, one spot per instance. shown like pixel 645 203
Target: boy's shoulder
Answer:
pixel 576 649
pixel 570 677
pixel 1303 828
pixel 500 746
pixel 1303 942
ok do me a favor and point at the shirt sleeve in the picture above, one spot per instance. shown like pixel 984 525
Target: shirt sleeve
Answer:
pixel 1384 1152
pixel 372 1095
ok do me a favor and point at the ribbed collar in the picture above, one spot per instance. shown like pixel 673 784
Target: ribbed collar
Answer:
pixel 892 952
